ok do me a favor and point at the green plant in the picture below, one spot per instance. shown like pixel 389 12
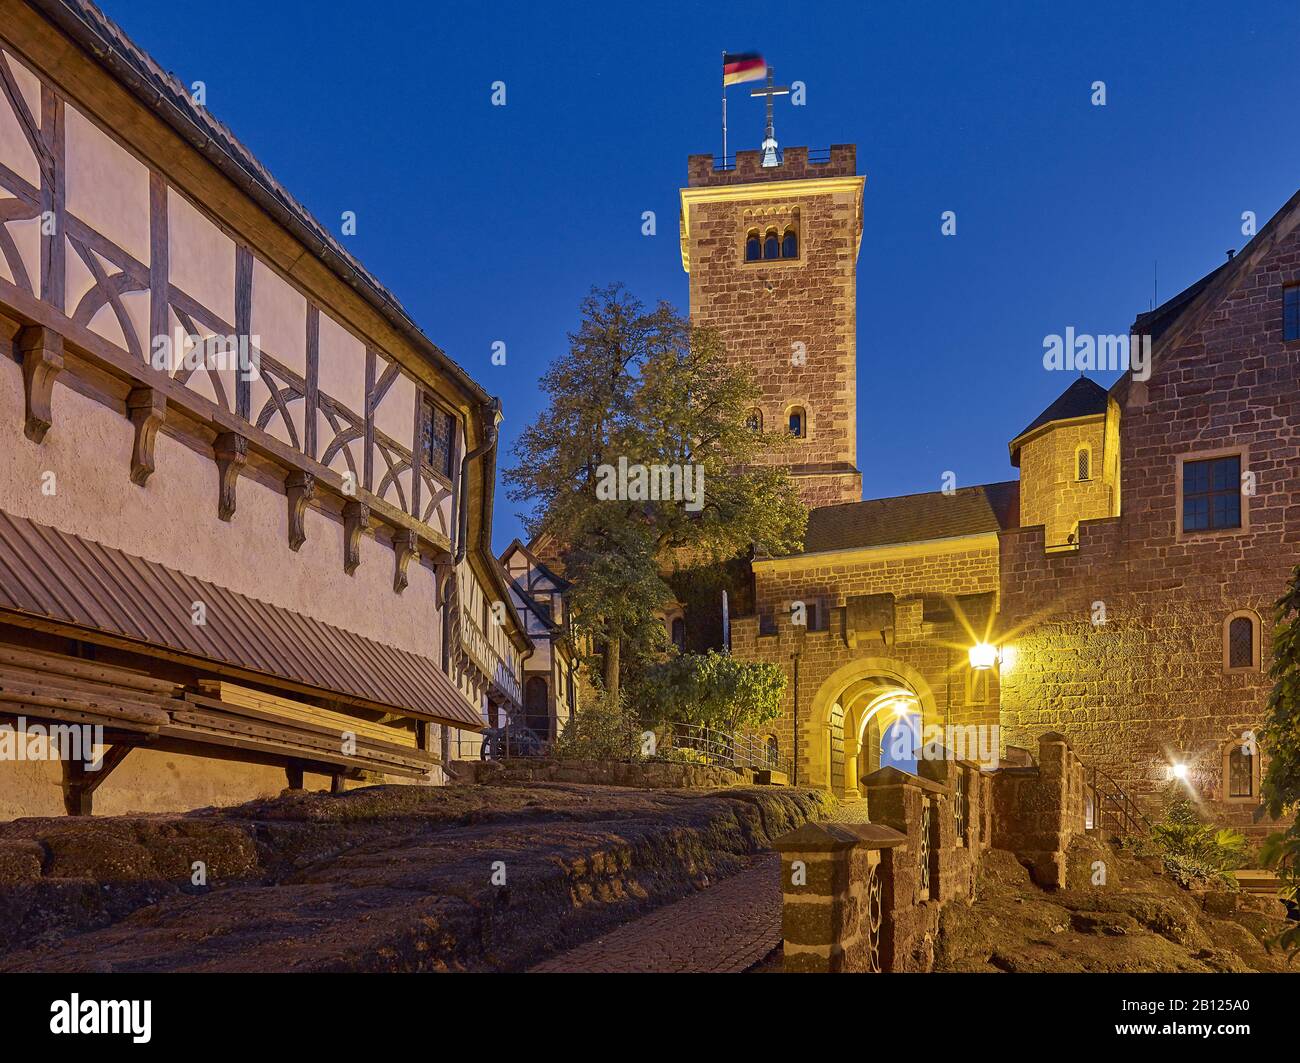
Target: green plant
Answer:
pixel 1280 739
pixel 1195 852
pixel 602 729
pixel 711 690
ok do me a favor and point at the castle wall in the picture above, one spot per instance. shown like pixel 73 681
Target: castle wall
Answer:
pixel 1149 685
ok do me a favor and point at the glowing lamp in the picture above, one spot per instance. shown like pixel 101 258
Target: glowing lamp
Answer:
pixel 983 656
pixel 1179 771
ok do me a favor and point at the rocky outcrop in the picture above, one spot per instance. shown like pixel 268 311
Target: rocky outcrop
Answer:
pixel 378 879
pixel 1114 913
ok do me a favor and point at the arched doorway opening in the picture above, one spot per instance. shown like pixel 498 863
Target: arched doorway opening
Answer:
pixel 867 715
pixel 537 709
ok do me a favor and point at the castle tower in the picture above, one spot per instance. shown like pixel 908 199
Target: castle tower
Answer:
pixel 772 255
pixel 1068 458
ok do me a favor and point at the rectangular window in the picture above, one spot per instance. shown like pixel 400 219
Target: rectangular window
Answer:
pixel 437 432
pixel 1291 313
pixel 1212 494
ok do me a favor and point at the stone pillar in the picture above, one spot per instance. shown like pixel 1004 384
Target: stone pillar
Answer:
pixel 834 894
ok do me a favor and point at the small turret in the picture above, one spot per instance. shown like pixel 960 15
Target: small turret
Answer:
pixel 1069 463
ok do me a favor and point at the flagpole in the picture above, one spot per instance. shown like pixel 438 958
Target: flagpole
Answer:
pixel 724 108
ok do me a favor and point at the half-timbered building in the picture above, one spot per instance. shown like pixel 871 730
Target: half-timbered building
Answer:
pixel 245 503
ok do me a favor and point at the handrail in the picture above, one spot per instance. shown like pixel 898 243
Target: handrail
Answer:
pixel 1126 816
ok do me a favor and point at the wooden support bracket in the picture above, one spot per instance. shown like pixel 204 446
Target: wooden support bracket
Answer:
pixel 80 782
pixel 231 452
pixel 301 489
pixel 406 548
pixel 41 352
pixel 356 521
pixel 147 409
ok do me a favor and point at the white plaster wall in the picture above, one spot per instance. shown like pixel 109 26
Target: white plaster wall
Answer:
pixel 107 187
pixel 200 258
pixel 342 372
pixel 173 521
pixel 279 319
pixel 15 150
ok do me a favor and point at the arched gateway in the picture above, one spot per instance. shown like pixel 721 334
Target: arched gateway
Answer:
pixel 860 720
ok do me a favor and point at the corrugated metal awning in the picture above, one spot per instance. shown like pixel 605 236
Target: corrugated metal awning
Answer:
pixel 76 583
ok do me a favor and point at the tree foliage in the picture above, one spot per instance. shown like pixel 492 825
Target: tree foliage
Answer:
pixel 711 690
pixel 1280 739
pixel 642 385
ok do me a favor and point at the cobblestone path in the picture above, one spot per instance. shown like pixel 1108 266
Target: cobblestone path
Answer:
pixel 725 929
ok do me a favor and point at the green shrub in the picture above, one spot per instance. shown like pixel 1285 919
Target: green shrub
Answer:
pixel 603 729
pixel 1194 852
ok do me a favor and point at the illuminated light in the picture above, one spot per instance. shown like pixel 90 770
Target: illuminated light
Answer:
pixel 983 655
pixel 1179 771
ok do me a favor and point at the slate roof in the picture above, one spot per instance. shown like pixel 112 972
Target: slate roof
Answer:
pixel 914 518
pixel 1081 399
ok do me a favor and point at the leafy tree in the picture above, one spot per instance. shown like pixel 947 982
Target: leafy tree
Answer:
pixel 643 386
pixel 711 690
pixel 1280 738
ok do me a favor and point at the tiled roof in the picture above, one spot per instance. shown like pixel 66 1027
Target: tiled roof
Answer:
pixel 914 518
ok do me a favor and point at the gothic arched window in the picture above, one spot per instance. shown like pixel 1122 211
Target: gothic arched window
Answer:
pixel 771 245
pixel 790 244
pixel 753 247
pixel 1083 463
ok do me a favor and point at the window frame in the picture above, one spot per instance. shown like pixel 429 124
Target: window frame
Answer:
pixel 1291 314
pixel 802 410
pixel 1242 453
pixel 1256 642
pixel 428 404
pixel 1080 451
pixel 1256 775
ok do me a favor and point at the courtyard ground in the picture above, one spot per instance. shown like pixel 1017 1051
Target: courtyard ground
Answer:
pixel 379 879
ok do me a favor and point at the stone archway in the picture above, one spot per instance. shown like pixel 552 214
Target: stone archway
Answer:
pixel 843 710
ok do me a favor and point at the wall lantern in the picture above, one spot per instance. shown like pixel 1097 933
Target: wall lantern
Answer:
pixel 983 656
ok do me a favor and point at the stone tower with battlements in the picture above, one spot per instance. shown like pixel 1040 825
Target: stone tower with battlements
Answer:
pixel 772 255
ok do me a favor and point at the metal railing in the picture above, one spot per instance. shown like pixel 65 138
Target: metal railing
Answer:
pixel 718 747
pixel 1113 809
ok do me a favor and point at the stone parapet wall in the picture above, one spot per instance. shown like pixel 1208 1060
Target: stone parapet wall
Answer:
pixel 643 775
pixel 1038 810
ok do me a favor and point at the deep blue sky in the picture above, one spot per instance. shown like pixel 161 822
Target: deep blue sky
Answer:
pixel 491 223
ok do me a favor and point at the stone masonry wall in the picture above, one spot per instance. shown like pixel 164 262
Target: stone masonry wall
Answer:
pixel 1149 684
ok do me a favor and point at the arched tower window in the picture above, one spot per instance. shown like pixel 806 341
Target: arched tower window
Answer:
pixel 1241 769
pixel 753 246
pixel 1083 464
pixel 1241 642
pixel 790 244
pixel 771 245
pixel 754 422
pixel 798 422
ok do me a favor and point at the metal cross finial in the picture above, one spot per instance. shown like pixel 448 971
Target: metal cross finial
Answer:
pixel 769 142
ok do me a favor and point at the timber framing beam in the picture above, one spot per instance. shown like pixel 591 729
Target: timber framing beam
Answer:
pixel 81 780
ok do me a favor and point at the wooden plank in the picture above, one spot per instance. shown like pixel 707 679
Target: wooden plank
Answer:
pixel 100 673
pixel 286 736
pixel 149 717
pixel 308 725
pixel 15 709
pixel 69 686
pixel 234 694
pixel 199 734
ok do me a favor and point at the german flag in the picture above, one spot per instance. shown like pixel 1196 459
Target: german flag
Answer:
pixel 745 66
